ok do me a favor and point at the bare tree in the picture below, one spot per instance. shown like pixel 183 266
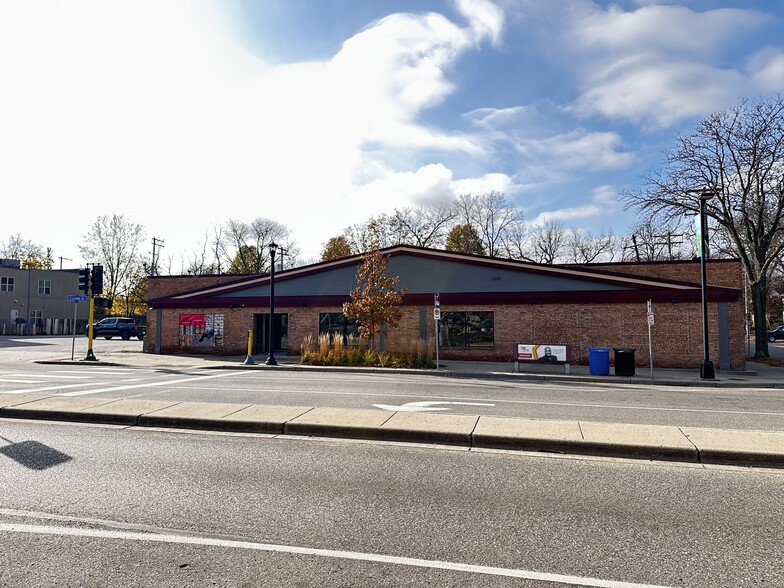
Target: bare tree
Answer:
pixel 585 247
pixel 243 246
pixel 657 239
pixel 738 155
pixel 547 242
pixel 425 226
pixel 491 215
pixel 199 263
pixel 113 242
pixel 516 241
pixel 375 233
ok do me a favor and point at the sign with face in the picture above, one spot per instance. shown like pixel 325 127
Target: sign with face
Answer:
pixel 542 353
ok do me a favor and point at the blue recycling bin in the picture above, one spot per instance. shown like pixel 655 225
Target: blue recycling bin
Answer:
pixel 599 361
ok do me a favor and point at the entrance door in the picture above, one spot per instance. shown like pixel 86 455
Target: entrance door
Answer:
pixel 261 333
pixel 14 315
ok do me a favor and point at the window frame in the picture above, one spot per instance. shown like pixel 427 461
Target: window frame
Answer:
pixel 7 283
pixel 44 286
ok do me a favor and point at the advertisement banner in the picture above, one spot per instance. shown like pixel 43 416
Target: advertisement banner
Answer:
pixel 542 353
pixel 201 330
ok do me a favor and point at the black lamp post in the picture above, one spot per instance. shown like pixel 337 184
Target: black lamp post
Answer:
pixel 706 366
pixel 271 357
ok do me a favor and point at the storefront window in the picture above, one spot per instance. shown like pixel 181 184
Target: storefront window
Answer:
pixel 336 324
pixel 466 329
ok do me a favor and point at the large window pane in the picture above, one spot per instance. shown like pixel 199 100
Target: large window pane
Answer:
pixel 466 329
pixel 335 324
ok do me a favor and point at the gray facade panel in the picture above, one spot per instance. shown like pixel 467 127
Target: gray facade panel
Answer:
pixel 438 276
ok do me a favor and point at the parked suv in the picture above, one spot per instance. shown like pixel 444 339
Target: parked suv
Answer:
pixel 118 326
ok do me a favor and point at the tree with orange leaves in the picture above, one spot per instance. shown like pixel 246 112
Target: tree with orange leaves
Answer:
pixel 374 302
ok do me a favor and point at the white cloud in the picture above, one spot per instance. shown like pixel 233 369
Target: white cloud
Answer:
pixel 766 69
pixel 656 91
pixel 667 29
pixel 579 150
pixel 603 200
pixel 428 184
pixel 486 19
pixel 487 182
pixel 152 109
pixel 657 64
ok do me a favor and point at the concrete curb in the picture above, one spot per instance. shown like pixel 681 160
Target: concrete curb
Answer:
pixel 648 442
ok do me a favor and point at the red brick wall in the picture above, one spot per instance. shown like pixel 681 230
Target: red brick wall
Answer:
pixel 677 333
pixel 720 272
pixel 158 286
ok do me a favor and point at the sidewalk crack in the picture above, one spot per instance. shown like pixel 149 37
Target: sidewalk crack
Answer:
pixel 697 449
pixel 580 427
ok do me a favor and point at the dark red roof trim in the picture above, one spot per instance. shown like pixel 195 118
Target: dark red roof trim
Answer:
pixel 715 294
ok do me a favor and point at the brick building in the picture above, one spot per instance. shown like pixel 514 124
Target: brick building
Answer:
pixel 488 305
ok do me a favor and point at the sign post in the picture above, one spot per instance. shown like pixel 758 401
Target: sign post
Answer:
pixel 436 318
pixel 650 338
pixel 76 299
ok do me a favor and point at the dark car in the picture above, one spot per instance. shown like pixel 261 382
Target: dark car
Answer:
pixel 118 326
pixel 776 334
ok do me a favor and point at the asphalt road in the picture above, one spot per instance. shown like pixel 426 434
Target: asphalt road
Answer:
pixel 106 506
pixel 756 409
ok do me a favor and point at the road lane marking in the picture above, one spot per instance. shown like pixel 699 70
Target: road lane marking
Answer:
pixel 425 406
pixel 48 388
pixel 82 532
pixel 149 384
pixel 9 380
pixel 23 375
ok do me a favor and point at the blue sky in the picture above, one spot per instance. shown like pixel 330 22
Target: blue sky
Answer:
pixel 321 113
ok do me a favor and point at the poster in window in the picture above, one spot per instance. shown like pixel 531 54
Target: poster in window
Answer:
pixel 201 330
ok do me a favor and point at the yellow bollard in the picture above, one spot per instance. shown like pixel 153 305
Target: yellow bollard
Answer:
pixel 249 359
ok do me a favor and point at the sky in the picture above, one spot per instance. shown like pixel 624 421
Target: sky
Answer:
pixel 319 114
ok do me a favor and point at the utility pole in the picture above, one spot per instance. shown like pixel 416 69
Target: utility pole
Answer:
pixel 156 245
pixel 61 258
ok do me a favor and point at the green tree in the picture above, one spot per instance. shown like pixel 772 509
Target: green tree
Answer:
pixel 336 248
pixel 463 238
pixel 31 255
pixel 374 302
pixel 246 261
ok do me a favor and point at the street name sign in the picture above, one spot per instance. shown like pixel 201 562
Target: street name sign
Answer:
pixel 77 298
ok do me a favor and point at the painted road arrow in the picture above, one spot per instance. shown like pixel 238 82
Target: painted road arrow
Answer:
pixel 424 406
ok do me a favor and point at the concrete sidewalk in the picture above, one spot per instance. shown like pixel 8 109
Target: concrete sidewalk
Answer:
pixel 684 444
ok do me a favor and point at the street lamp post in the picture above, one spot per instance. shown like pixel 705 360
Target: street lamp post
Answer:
pixel 271 357
pixel 706 366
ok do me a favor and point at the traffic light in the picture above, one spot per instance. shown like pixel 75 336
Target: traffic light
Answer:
pixel 96 280
pixel 101 302
pixel 84 280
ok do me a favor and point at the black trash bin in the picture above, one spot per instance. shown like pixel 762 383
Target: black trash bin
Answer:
pixel 624 361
